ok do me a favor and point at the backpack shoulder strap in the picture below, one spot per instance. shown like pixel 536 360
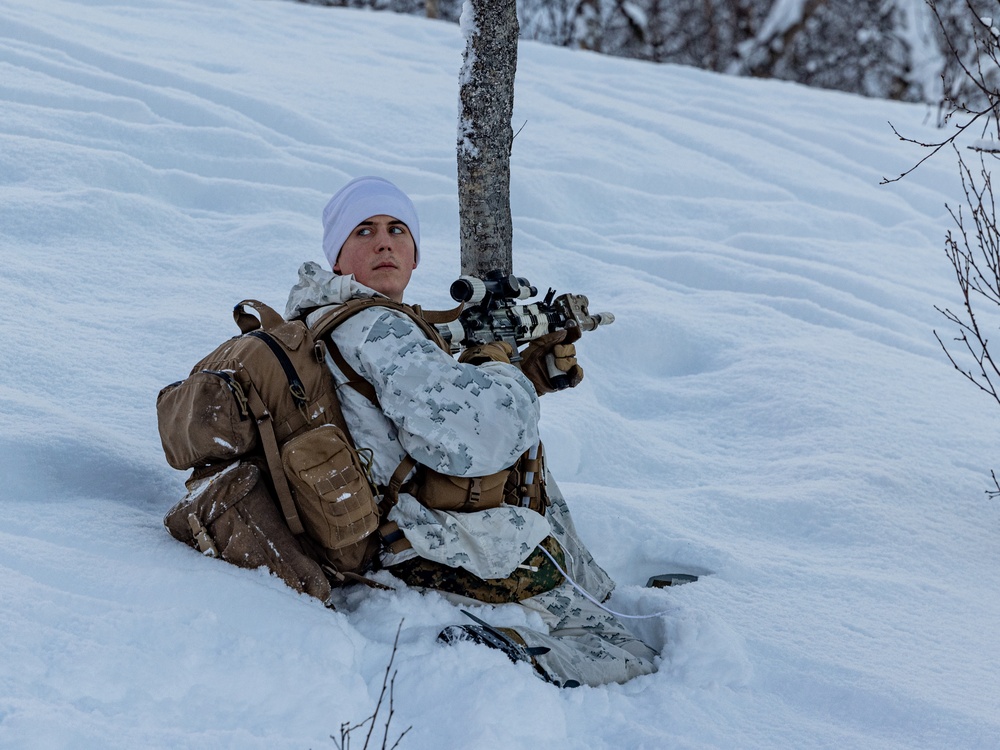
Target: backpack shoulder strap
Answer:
pixel 323 321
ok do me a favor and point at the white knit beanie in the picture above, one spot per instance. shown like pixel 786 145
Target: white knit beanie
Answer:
pixel 360 199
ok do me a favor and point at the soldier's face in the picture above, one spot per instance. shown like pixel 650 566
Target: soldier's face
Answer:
pixel 381 254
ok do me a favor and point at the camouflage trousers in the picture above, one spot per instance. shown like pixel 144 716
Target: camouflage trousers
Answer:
pixel 585 643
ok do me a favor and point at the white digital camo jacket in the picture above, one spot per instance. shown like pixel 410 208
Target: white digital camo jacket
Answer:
pixel 461 420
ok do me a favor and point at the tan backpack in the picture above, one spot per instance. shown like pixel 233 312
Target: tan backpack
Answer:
pixel 266 400
pixel 259 419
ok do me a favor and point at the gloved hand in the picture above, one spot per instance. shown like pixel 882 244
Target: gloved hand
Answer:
pixel 550 361
pixel 495 351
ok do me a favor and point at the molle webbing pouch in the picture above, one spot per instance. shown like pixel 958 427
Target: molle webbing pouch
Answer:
pixel 205 419
pixel 522 484
pixel 463 494
pixel 332 492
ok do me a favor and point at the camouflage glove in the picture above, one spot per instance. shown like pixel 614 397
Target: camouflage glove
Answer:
pixel 495 351
pixel 550 362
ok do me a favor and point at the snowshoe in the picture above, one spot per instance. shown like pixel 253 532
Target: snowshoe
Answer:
pixel 506 640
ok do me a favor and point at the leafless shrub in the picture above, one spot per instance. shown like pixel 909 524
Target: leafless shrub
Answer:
pixel 388 686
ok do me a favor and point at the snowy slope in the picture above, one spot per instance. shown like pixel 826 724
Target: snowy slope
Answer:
pixel 770 408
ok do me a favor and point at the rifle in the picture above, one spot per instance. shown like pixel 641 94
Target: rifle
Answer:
pixel 491 312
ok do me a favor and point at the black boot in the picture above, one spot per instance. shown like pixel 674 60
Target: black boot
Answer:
pixel 506 640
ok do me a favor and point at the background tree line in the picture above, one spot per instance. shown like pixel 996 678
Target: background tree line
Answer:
pixel 889 49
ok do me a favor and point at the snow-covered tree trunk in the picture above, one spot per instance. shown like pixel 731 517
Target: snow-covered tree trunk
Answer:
pixel 785 20
pixel 486 92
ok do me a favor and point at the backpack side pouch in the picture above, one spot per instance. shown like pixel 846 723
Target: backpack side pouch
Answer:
pixel 332 492
pixel 464 494
pixel 204 419
pixel 232 515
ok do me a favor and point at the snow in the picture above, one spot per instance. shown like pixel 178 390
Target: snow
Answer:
pixel 770 409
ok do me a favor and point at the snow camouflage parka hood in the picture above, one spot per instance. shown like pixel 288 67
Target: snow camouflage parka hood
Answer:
pixel 317 287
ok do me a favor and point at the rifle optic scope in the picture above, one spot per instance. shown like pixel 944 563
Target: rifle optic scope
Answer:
pixel 473 290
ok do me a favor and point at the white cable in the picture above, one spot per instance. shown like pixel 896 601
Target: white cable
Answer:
pixel 606 609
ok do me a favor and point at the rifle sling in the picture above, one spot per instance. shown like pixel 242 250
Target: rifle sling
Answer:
pixel 439 316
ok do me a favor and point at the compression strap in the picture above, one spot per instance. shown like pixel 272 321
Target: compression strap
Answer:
pixel 295 386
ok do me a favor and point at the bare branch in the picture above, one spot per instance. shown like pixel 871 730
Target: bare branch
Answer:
pixel 959 131
pixel 986 46
pixel 388 687
pixel 994 493
pixel 973 247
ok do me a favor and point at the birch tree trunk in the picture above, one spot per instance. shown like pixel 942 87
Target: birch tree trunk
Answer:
pixel 486 92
